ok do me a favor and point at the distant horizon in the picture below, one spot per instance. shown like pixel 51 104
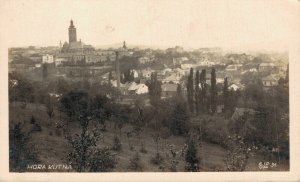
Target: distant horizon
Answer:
pixel 131 46
pixel 232 25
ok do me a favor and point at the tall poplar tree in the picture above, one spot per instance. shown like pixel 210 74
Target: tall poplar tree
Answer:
pixel 213 91
pixel 179 92
pixel 225 94
pixel 287 74
pixel 154 87
pixel 203 95
pixel 190 90
pixel 45 70
pixel 197 90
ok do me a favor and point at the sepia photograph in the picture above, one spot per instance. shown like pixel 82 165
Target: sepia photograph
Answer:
pixel 148 86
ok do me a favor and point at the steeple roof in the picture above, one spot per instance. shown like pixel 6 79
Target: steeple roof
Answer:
pixel 71 24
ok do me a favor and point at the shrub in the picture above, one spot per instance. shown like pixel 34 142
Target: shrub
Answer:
pixel 237 154
pixel 157 159
pixel 36 127
pixel 117 145
pixel 214 131
pixel 21 152
pixel 173 166
pixel 102 161
pixel 135 163
pixel 32 120
pixel 191 158
pixel 58 132
pixel 180 120
pixel 143 149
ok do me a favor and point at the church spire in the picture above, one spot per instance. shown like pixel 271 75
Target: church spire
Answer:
pixel 72 33
pixel 71 23
pixel 124 45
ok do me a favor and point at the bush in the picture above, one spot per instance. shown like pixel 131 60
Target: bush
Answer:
pixel 191 158
pixel 102 161
pixel 135 163
pixel 180 120
pixel 173 166
pixel 157 159
pixel 21 152
pixel 117 145
pixel 58 132
pixel 143 149
pixel 36 127
pixel 214 131
pixel 32 120
pixel 237 154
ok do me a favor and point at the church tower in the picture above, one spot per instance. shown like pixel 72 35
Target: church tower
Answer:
pixel 124 45
pixel 72 33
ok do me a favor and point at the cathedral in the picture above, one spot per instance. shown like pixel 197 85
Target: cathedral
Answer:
pixel 75 46
pixel 76 51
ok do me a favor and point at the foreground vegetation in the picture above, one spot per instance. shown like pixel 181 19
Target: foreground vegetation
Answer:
pixel 83 124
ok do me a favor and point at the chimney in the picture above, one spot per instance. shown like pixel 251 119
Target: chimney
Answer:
pixel 118 69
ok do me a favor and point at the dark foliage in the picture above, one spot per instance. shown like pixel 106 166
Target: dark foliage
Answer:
pixel 237 154
pixel 154 87
pixel 180 120
pixel 191 158
pixel 213 91
pixel 135 163
pixel 157 159
pixel 102 161
pixel 23 92
pixel 117 145
pixel 190 90
pixel 21 152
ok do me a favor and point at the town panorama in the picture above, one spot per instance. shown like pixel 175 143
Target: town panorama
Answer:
pixel 77 108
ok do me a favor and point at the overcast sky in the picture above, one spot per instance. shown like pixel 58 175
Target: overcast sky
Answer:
pixel 236 24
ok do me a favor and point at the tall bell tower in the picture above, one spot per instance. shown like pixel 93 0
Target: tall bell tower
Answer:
pixel 72 33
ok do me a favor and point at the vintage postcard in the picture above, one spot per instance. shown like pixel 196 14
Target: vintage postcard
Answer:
pixel 150 90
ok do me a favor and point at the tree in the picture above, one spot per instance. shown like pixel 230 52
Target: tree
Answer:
pixel 21 151
pixel 154 87
pixel 22 92
pixel 45 70
pixel 232 101
pixel 110 76
pixel 49 107
pixel 131 76
pixel 191 158
pixel 281 81
pixel 287 74
pixel 237 154
pixel 128 76
pixel 197 92
pixel 74 104
pixel 179 120
pixel 117 145
pixel 213 91
pixel 84 154
pixel 108 58
pixel 101 109
pixel 190 90
pixel 135 163
pixel 179 92
pixel 127 63
pixel 203 94
pixel 225 94
pixel 102 161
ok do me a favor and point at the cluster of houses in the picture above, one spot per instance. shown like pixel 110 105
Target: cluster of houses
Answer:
pixel 171 77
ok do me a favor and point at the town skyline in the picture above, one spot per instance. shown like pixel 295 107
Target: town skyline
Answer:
pixel 198 86
pixel 187 26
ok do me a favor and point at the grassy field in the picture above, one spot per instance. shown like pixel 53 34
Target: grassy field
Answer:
pixel 52 147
